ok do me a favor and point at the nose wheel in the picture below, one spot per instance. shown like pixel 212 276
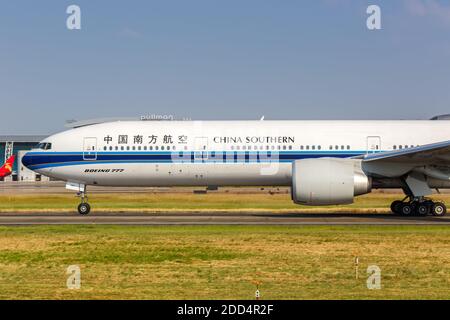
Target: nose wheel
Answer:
pixel 83 208
pixel 418 207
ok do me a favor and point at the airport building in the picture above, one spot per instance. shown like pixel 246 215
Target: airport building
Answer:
pixel 19 145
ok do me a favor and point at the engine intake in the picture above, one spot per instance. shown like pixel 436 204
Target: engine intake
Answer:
pixel 328 181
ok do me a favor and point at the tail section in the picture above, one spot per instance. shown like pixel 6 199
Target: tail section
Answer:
pixel 6 170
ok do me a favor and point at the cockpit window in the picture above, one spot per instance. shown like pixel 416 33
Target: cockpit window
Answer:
pixel 44 146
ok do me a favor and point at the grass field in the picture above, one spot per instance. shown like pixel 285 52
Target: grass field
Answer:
pixel 222 262
pixel 157 202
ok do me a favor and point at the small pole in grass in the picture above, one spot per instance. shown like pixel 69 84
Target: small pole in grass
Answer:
pixel 356 267
pixel 257 292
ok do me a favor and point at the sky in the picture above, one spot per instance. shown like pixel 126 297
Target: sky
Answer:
pixel 221 60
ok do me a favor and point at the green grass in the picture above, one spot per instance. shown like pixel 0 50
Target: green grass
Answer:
pixel 223 262
pixel 153 202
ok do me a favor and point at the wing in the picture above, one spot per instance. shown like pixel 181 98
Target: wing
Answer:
pixel 413 165
pixel 430 154
pixel 433 160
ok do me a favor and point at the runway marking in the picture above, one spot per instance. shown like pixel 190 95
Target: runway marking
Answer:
pixel 218 219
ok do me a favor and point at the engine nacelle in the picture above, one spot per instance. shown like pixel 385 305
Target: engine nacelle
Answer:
pixel 328 181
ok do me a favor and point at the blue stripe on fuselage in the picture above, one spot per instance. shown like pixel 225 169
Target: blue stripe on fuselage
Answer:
pixel 40 160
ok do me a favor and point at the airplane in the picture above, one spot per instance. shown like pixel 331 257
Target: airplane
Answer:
pixel 324 162
pixel 6 169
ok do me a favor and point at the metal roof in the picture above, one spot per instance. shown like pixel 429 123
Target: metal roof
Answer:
pixel 90 122
pixel 441 117
pixel 23 139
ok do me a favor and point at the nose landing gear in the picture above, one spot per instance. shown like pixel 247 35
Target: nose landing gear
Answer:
pixel 418 207
pixel 84 207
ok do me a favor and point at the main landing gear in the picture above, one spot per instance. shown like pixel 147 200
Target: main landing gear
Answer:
pixel 419 206
pixel 84 207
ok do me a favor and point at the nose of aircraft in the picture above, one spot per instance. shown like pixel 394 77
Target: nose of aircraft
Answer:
pixel 27 160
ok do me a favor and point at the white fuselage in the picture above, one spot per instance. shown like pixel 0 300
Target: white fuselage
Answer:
pixel 215 153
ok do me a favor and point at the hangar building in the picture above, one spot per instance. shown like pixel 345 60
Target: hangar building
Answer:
pixel 18 145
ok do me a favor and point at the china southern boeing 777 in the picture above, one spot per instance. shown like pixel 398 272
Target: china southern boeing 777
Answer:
pixel 324 162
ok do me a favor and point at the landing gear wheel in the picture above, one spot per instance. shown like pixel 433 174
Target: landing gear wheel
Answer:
pixel 422 209
pixel 84 208
pixel 395 206
pixel 406 209
pixel 439 209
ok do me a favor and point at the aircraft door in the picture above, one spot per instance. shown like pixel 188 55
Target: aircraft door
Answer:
pixel 373 144
pixel 90 149
pixel 198 172
pixel 201 149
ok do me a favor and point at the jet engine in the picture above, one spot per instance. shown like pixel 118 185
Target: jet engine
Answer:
pixel 328 181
